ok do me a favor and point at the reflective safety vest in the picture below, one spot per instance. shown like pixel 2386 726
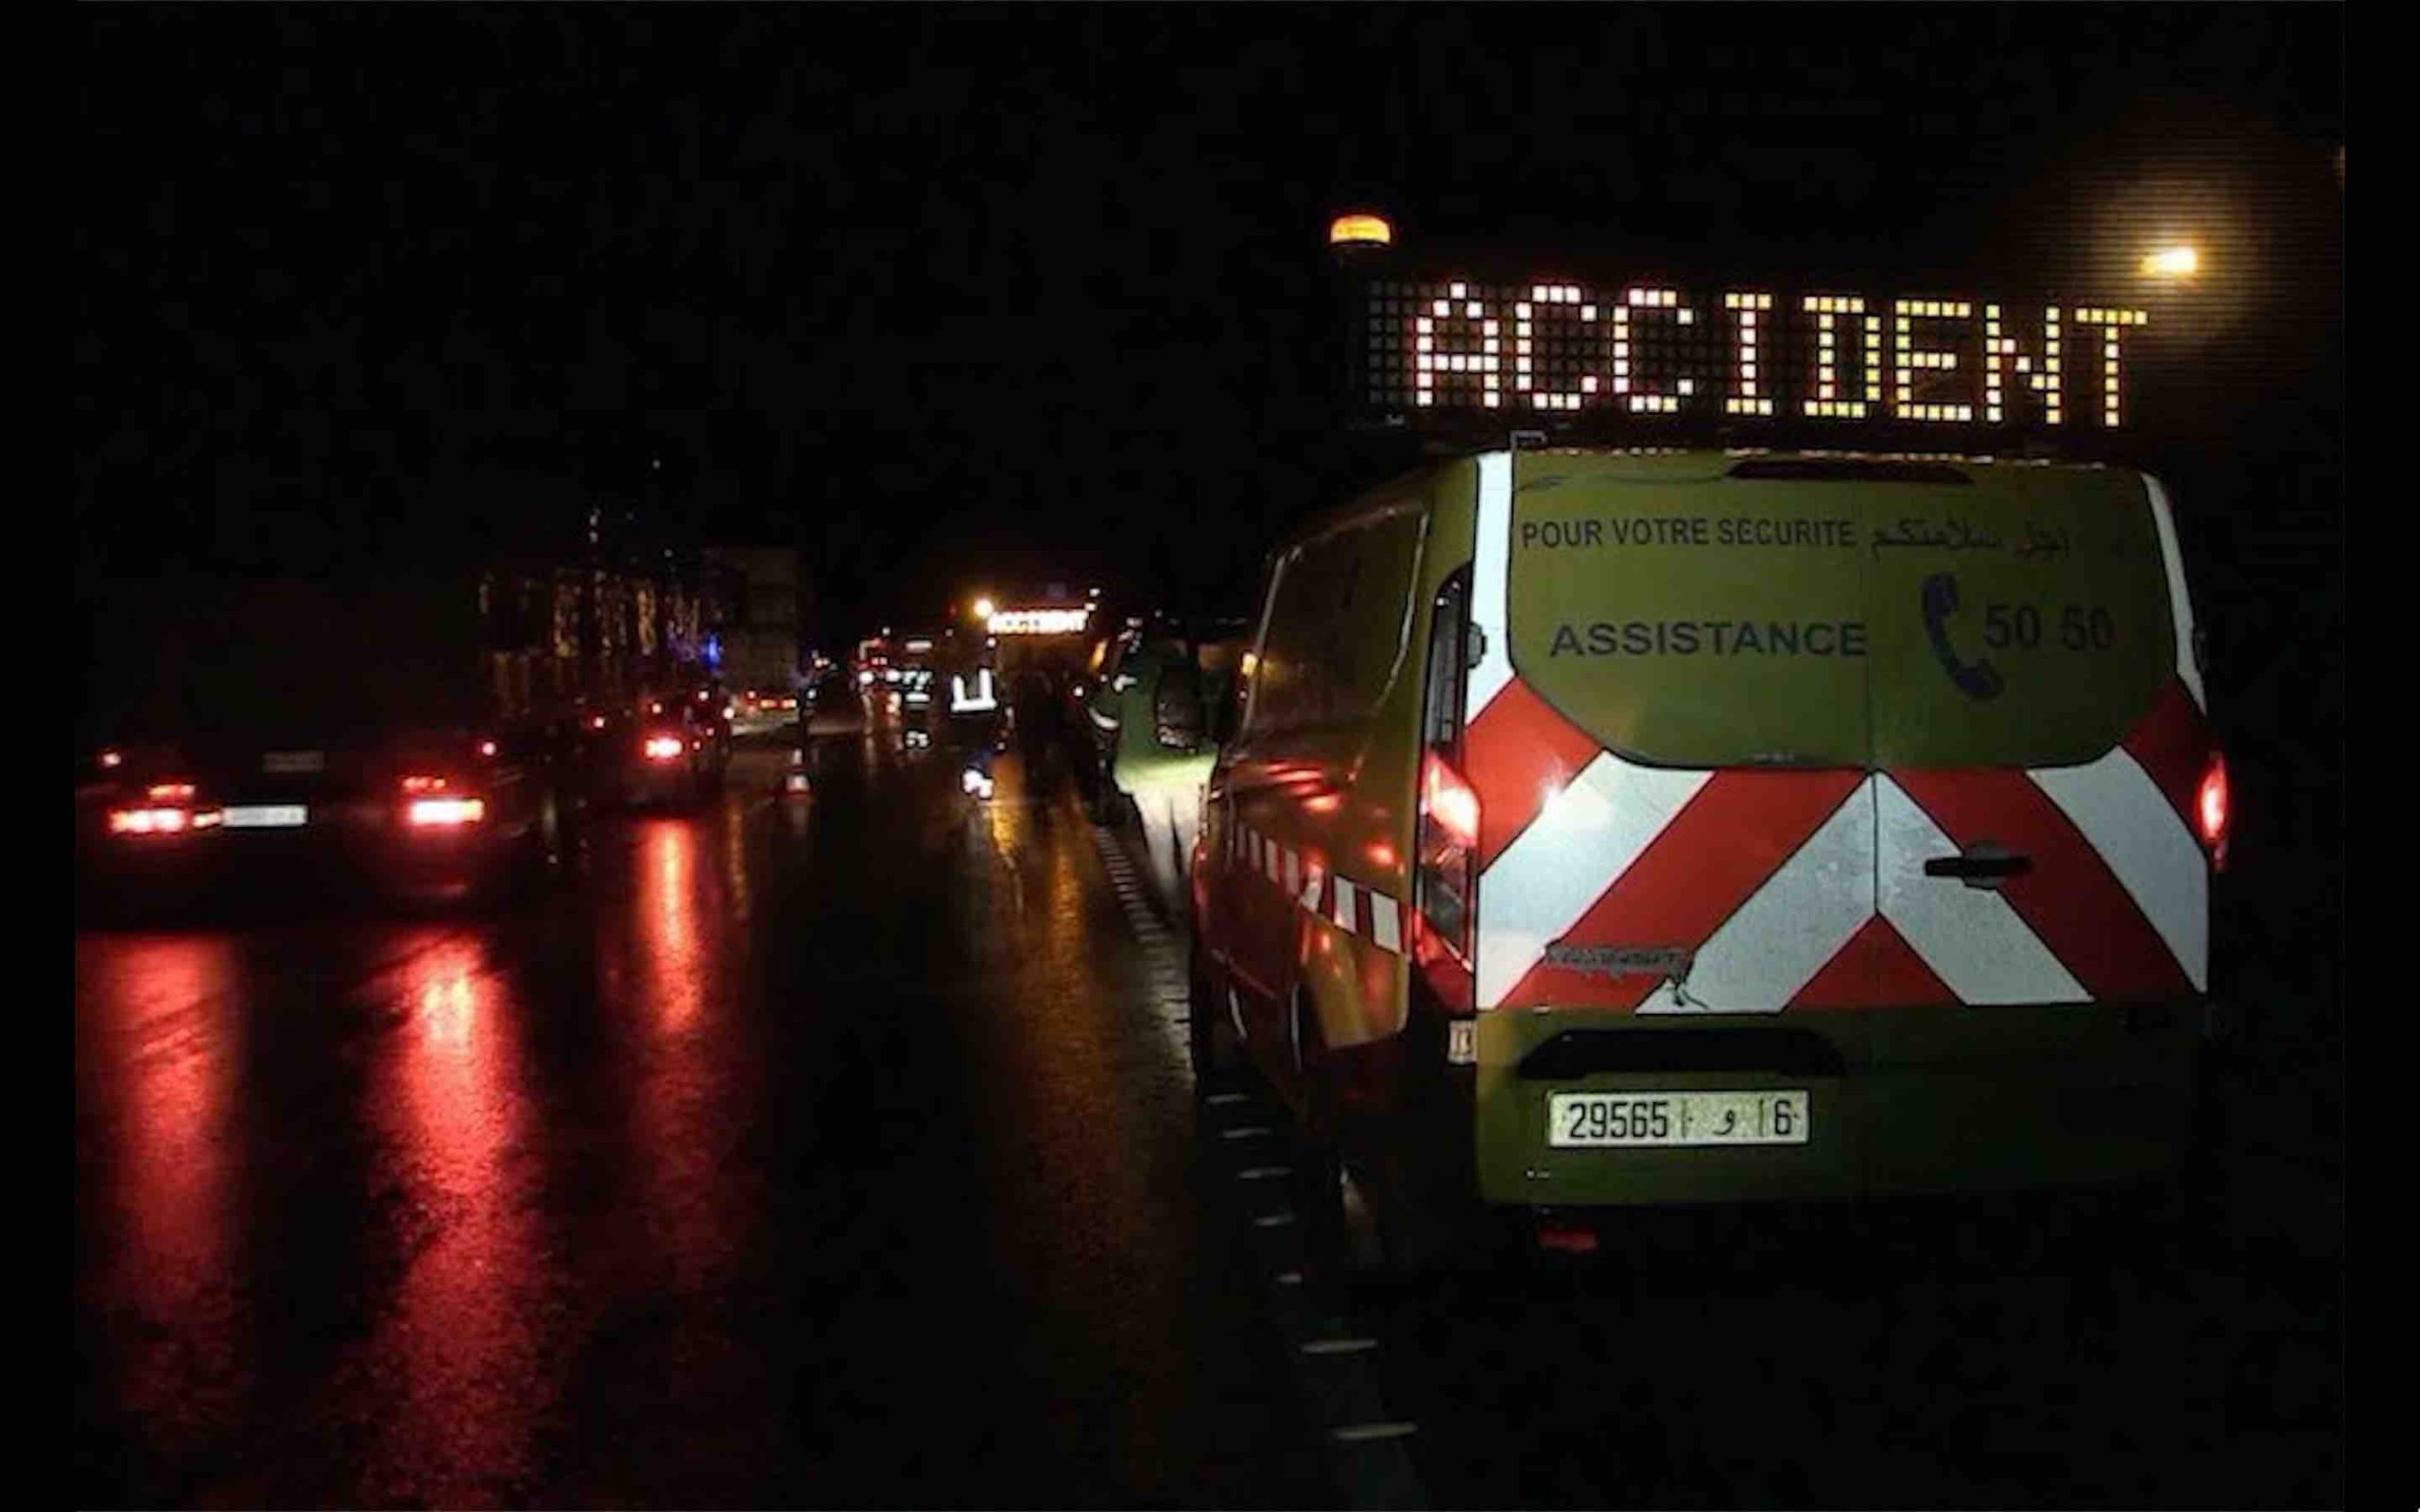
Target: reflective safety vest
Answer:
pixel 980 702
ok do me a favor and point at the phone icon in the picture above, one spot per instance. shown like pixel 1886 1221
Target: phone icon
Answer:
pixel 1977 680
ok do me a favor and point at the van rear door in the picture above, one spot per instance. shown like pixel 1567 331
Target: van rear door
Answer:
pixel 1778 733
pixel 2036 741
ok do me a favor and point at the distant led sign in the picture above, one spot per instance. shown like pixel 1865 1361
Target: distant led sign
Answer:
pixel 1744 355
pixel 1039 621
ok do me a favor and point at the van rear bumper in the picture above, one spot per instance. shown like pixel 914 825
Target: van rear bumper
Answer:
pixel 1900 1102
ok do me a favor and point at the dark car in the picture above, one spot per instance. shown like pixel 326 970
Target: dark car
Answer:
pixel 672 750
pixel 388 807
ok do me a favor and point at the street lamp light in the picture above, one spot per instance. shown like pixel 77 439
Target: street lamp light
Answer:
pixel 2172 263
pixel 982 608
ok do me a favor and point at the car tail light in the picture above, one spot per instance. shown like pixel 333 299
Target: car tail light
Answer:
pixel 446 813
pixel 2213 808
pixel 168 808
pixel 664 747
pixel 113 760
pixel 157 820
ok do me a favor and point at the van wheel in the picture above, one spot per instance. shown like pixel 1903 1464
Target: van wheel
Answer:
pixel 1342 1234
pixel 1210 1037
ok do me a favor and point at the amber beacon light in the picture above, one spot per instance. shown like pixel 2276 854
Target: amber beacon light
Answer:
pixel 1359 231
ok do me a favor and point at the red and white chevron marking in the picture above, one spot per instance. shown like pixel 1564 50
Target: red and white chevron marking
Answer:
pixel 1350 906
pixel 1807 888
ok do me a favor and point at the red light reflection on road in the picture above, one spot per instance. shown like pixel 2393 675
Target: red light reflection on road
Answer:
pixel 157 1061
pixel 460 1327
pixel 673 961
pixel 693 1086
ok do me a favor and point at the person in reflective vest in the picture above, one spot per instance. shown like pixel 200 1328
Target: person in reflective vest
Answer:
pixel 975 714
pixel 975 694
pixel 1152 715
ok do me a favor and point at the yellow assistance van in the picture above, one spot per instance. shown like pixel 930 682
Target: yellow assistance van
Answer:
pixel 1613 827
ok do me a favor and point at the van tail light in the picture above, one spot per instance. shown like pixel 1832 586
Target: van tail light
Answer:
pixel 1449 802
pixel 2213 809
pixel 1566 1239
pixel 1442 879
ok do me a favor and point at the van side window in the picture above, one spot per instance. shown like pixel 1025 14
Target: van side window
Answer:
pixel 1335 627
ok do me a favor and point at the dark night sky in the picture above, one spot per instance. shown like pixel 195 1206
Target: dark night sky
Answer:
pixel 985 293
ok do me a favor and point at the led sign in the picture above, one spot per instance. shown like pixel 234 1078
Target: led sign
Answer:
pixel 1744 355
pixel 1039 621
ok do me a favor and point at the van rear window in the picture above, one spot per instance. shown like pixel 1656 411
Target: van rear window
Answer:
pixel 2002 616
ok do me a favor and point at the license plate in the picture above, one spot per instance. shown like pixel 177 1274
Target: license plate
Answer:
pixel 1658 1120
pixel 266 816
pixel 294 761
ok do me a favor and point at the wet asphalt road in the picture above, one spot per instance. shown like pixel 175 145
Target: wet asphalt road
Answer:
pixel 794 1153
pixel 829 1153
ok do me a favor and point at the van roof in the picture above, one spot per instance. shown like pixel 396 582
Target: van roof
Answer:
pixel 1668 463
pixel 1703 454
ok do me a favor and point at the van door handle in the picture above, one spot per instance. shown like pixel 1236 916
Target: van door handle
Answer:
pixel 1980 869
